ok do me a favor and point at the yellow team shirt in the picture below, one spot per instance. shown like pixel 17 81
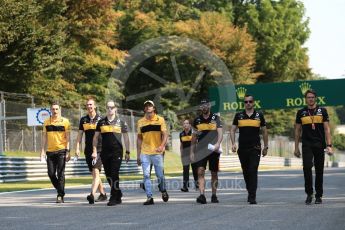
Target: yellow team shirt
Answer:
pixel 151 131
pixel 56 133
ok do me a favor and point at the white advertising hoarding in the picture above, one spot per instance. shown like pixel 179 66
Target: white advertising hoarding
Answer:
pixel 36 116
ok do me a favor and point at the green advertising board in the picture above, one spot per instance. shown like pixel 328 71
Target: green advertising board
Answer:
pixel 229 98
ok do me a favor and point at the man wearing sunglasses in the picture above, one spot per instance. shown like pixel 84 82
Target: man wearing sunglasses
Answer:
pixel 112 129
pixel 249 122
pixel 313 122
pixel 207 130
pixel 88 125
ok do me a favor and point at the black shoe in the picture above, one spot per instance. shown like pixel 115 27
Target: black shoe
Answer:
pixel 309 200
pixel 149 201
pixel 59 199
pixel 201 199
pixel 142 186
pixel 101 197
pixel 184 189
pixel 318 200
pixel 91 199
pixel 112 201
pixel 165 196
pixel 252 201
pixel 214 199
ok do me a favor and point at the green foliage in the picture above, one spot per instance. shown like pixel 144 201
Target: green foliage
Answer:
pixel 339 141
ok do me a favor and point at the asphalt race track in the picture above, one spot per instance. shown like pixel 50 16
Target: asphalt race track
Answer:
pixel 280 206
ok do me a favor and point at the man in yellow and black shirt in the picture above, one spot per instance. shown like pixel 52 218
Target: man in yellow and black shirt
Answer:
pixel 88 125
pixel 112 129
pixel 249 122
pixel 55 145
pixel 313 121
pixel 208 129
pixel 151 141
pixel 185 140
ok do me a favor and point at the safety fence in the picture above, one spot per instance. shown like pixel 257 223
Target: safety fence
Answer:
pixel 24 169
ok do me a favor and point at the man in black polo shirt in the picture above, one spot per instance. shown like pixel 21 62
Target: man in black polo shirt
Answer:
pixel 185 139
pixel 112 128
pixel 207 130
pixel 313 121
pixel 88 125
pixel 249 122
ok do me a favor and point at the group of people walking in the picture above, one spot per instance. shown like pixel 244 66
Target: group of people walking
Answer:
pixel 106 139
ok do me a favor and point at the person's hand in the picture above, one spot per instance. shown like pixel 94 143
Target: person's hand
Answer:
pixel 127 157
pixel 264 151
pixel 138 161
pixel 234 148
pixel 329 151
pixel 42 156
pixel 68 156
pixel 160 149
pixel 216 147
pixel 94 155
pixel 192 157
pixel 77 152
pixel 297 153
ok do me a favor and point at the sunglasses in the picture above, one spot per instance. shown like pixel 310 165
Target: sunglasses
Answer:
pixel 248 102
pixel 111 107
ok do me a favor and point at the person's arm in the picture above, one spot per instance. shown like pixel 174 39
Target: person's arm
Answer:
pixel 328 137
pixel 126 141
pixel 297 138
pixel 232 138
pixel 68 155
pixel 139 143
pixel 94 144
pixel 192 147
pixel 265 139
pixel 43 144
pixel 78 142
pixel 219 140
pixel 161 148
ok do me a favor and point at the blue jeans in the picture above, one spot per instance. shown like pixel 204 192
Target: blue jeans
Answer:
pixel 157 161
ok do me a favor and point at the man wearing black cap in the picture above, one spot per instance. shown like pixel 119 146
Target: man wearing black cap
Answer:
pixel 208 130
pixel 151 141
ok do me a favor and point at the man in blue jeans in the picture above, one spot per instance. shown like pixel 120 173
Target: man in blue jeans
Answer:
pixel 151 141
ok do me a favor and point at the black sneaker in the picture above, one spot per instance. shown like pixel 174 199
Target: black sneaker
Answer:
pixel 214 199
pixel 252 201
pixel 201 199
pixel 59 199
pixel 318 200
pixel 149 201
pixel 184 189
pixel 165 196
pixel 91 199
pixel 112 201
pixel 309 200
pixel 101 197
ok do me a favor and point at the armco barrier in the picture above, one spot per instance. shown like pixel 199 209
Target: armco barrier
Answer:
pixel 24 169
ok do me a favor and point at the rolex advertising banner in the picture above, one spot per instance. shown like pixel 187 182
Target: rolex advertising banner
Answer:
pixel 277 95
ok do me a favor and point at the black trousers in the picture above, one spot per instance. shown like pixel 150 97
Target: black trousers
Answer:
pixel 250 159
pixel 186 174
pixel 56 163
pixel 111 164
pixel 313 156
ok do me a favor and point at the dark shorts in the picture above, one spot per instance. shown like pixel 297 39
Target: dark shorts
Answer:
pixel 213 162
pixel 98 164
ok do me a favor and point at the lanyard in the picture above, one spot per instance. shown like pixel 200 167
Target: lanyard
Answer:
pixel 312 119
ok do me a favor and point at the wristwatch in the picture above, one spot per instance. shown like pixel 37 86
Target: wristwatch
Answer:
pixel 127 152
pixel 330 145
pixel 266 147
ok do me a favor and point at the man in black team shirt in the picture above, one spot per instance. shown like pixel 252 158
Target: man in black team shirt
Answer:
pixel 249 122
pixel 88 125
pixel 112 128
pixel 208 130
pixel 185 139
pixel 313 121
